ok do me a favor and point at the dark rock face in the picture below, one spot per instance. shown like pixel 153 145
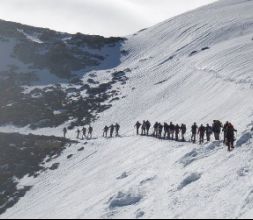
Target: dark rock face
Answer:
pixel 55 166
pixel 81 149
pixel 60 53
pixel 54 105
pixel 69 156
pixel 20 156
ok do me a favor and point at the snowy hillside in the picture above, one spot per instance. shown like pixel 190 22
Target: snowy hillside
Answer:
pixel 195 67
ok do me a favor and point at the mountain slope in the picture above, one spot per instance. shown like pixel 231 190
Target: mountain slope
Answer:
pixel 195 67
pixel 41 72
pixel 53 56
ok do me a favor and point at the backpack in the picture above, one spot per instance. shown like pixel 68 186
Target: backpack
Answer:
pixel 183 128
pixel 194 128
pixel 202 129
pixel 217 126
pixel 209 130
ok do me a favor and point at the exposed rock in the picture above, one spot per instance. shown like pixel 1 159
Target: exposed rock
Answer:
pixel 22 155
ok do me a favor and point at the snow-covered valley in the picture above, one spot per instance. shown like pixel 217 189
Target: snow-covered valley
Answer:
pixel 196 67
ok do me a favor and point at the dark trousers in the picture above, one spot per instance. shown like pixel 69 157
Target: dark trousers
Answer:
pixel 217 136
pixel 194 137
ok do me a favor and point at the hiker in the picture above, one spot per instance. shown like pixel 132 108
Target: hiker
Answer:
pixel 143 128
pixel 217 125
pixel 137 126
pixel 111 130
pixel 105 133
pixel 225 132
pixel 209 132
pixel 201 132
pixel 166 130
pixel 177 131
pixel 194 132
pixel 84 130
pixel 156 127
pixel 183 131
pixel 117 127
pixel 172 131
pixel 78 133
pixel 90 131
pixel 65 132
pixel 148 126
pixel 230 136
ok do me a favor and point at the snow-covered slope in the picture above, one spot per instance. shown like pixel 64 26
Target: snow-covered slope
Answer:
pixel 195 67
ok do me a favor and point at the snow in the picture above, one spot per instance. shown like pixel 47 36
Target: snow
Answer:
pixel 123 199
pixel 143 177
pixel 32 38
pixel 58 112
pixel 88 181
pixel 189 180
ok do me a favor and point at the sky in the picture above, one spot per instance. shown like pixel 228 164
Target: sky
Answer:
pixel 102 17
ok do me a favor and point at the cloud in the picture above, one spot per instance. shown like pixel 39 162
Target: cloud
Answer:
pixel 104 17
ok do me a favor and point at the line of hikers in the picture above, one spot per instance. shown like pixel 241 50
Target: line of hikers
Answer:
pixel 81 134
pixel 173 131
pixel 111 129
pixel 170 131
pixel 88 133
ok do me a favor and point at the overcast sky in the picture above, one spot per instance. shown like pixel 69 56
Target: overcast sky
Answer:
pixel 103 17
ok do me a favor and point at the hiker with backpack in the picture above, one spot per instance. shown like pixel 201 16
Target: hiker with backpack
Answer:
pixel 105 133
pixel 117 127
pixel 183 131
pixel 148 126
pixel 111 130
pixel 201 132
pixel 194 132
pixel 177 131
pixel 65 132
pixel 90 132
pixel 137 126
pixel 172 131
pixel 84 131
pixel 156 129
pixel 230 136
pixel 209 132
pixel 217 125
pixel 143 128
pixel 166 130
pixel 78 132
pixel 225 128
